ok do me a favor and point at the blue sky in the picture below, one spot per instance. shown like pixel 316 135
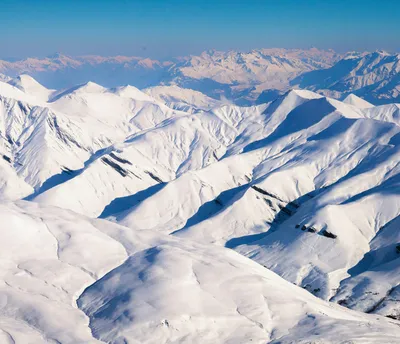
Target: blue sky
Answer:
pixel 161 29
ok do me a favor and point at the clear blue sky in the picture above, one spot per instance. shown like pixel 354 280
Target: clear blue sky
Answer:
pixel 161 29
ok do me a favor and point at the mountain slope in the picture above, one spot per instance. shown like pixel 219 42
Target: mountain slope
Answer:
pixel 244 78
pixel 261 66
pixel 158 155
pixel 373 76
pixel 306 186
pixel 182 99
pixel 241 77
pixel 30 86
pixel 45 138
pixel 237 76
pixel 245 303
pixel 55 257
pixel 322 165
pixel 357 102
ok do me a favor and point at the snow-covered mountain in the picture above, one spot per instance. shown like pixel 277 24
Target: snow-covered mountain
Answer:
pixel 244 78
pixel 374 77
pixel 307 194
pixel 66 278
pixel 237 76
pixel 182 98
pixel 166 216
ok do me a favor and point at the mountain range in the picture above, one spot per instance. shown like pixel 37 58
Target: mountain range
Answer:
pixel 244 78
pixel 374 77
pixel 168 215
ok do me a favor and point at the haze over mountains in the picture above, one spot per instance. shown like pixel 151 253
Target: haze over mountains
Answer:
pixel 246 79
pixel 168 215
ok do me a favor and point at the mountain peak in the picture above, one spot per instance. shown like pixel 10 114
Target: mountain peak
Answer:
pixel 24 79
pixel 383 52
pixel 56 55
pixel 356 101
pixel 129 91
pixel 90 87
pixel 29 85
pixel 304 186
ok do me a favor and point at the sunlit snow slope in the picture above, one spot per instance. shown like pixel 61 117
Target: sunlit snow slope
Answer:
pixel 143 287
pixel 306 187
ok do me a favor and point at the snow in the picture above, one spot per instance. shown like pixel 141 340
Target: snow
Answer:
pixel 246 303
pixel 213 73
pixel 182 99
pixel 61 265
pixel 8 90
pixel 337 156
pixel 373 76
pixel 51 257
pixel 275 223
pixel 30 86
pixel 243 78
pixel 4 78
pixel 357 102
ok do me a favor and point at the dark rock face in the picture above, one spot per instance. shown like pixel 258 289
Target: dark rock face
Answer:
pixel 327 234
pixel 6 158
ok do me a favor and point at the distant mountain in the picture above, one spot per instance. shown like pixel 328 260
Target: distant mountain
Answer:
pixel 243 76
pixel 374 77
pixel 61 71
pixel 255 77
pixel 5 77
pixel 239 77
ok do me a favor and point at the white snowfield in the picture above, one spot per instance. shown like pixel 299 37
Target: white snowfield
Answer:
pixel 217 223
pixel 66 278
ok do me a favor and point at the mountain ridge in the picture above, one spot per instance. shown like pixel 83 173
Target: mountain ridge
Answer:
pixel 139 197
pixel 245 78
pixel 61 71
